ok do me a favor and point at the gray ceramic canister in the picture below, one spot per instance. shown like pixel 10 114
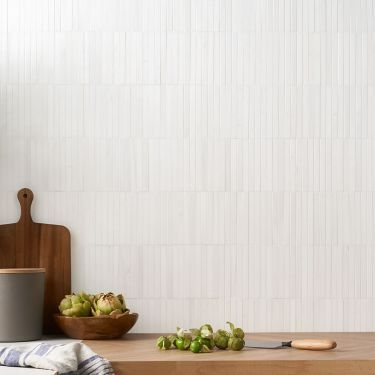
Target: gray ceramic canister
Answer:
pixel 21 304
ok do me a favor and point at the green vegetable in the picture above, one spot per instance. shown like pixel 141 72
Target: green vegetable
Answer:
pixel 205 349
pixel 180 332
pixel 75 305
pixel 195 331
pixel 163 343
pixel 108 304
pixel 172 339
pixel 206 326
pixel 179 343
pixel 236 343
pixel 221 339
pixel 123 304
pixel 195 346
pixel 83 304
pixel 206 341
pixel 206 330
pixel 236 332
pixel 183 343
pixel 183 333
pixel 183 339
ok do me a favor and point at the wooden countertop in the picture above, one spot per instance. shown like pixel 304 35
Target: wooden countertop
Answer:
pixel 136 354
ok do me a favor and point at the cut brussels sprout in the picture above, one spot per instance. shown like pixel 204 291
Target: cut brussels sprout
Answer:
pixel 163 343
pixel 206 330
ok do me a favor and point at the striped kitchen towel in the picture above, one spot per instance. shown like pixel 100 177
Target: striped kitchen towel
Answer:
pixel 64 359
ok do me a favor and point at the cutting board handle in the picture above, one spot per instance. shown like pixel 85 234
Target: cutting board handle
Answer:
pixel 25 197
pixel 314 344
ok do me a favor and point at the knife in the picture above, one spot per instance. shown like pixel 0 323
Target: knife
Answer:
pixel 308 344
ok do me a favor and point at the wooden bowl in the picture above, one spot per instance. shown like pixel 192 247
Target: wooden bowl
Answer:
pixel 96 327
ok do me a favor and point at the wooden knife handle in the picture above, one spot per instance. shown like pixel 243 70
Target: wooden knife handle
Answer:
pixel 314 344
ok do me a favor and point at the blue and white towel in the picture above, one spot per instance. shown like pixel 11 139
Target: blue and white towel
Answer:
pixel 64 359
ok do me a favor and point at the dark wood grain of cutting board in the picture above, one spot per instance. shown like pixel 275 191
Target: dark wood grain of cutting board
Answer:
pixel 26 244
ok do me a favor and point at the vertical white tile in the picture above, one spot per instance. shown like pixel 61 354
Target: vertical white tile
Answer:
pixel 229 138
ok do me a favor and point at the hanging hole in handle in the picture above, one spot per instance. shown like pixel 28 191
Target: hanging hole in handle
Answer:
pixel 25 195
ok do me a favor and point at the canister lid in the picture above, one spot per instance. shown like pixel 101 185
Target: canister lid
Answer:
pixel 22 270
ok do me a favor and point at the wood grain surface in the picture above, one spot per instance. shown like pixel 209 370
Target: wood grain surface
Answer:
pixel 26 244
pixel 136 354
pixel 96 327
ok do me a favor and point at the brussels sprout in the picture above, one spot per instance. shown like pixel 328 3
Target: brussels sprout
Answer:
pixel 206 326
pixel 236 343
pixel 107 304
pixel 187 342
pixel 206 330
pixel 163 343
pixel 221 339
pixel 205 349
pixel 236 332
pixel 179 332
pixel 183 343
pixel 183 333
pixel 206 341
pixel 195 346
pixel 195 332
pixel 179 343
pixel 75 305
pixel 172 339
pixel 183 339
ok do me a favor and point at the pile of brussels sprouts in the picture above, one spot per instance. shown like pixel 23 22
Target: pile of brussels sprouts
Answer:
pixel 82 304
pixel 203 340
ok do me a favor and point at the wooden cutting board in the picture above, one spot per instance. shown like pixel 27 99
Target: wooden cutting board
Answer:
pixel 27 244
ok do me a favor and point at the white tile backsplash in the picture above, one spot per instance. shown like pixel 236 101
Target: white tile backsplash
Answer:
pixel 213 159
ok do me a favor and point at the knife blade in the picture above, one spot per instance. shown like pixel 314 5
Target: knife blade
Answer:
pixel 267 344
pixel 307 344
